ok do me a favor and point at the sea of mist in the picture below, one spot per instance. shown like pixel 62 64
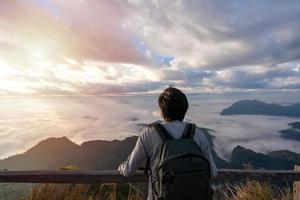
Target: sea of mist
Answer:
pixel 24 121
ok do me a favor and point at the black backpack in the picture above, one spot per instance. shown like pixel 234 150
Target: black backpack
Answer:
pixel 183 172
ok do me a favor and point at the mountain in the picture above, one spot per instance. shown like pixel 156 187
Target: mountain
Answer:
pixel 54 153
pixel 279 160
pixel 48 154
pixel 295 125
pixel 101 154
pixel 293 133
pixel 255 107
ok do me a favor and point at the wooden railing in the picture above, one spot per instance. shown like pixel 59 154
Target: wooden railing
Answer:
pixel 104 176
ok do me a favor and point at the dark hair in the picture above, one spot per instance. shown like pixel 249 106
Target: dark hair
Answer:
pixel 173 104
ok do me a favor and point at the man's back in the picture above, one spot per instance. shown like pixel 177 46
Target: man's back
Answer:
pixel 149 145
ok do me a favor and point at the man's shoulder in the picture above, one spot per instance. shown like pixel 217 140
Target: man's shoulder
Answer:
pixel 200 137
pixel 199 132
pixel 148 130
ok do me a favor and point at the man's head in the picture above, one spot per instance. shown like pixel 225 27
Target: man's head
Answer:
pixel 173 104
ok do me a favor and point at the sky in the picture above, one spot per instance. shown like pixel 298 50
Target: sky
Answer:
pixel 109 47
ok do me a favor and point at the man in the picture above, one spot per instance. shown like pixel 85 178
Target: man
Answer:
pixel 173 105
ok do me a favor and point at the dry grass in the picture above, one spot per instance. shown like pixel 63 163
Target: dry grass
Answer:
pixel 248 191
pixel 254 191
pixel 84 191
pixel 81 192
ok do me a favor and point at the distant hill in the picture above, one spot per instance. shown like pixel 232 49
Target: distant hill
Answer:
pixel 295 125
pixel 279 160
pixel 54 153
pixel 255 107
pixel 293 133
pixel 47 154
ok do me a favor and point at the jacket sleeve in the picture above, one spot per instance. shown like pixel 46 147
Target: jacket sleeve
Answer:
pixel 209 157
pixel 206 150
pixel 136 157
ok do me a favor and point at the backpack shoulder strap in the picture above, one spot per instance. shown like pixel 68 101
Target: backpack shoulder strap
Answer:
pixel 189 131
pixel 162 131
pixel 185 131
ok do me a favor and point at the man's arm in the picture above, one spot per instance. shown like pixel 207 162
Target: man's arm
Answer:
pixel 208 156
pixel 136 157
pixel 206 150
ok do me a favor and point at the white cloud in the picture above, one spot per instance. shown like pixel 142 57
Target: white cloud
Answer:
pixel 105 47
pixel 218 34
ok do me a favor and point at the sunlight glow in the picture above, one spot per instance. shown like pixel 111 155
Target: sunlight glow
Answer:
pixel 38 53
pixel 5 69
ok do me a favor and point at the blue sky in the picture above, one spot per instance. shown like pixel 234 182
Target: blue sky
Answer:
pixel 52 47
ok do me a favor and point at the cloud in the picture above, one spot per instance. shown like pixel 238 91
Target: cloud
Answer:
pixel 80 31
pixel 171 75
pixel 84 118
pixel 219 34
pixel 111 47
pixel 257 77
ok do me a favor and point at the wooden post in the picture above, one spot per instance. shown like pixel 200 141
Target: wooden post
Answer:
pixel 296 186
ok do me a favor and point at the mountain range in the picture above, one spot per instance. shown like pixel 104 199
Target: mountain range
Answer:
pixel 54 153
pixel 255 107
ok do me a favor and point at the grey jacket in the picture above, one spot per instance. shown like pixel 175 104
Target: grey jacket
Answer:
pixel 149 143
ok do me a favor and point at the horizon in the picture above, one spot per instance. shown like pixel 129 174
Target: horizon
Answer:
pixel 93 69
pixel 27 121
